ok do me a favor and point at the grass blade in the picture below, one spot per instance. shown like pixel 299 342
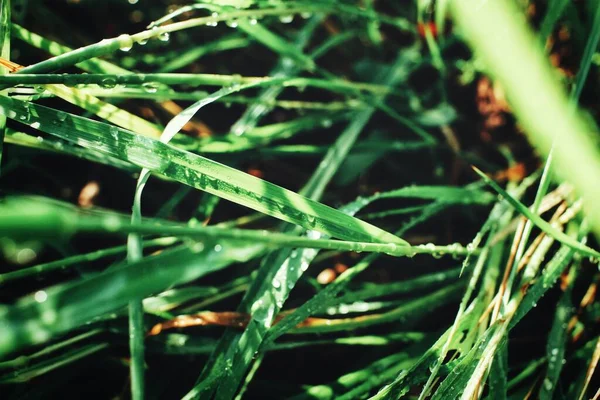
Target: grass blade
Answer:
pixel 199 172
pixel 537 220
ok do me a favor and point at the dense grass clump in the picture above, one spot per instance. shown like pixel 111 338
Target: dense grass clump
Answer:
pixel 299 199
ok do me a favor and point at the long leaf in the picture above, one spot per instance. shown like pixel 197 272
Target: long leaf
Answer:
pixel 199 172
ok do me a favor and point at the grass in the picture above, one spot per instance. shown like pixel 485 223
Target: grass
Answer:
pixel 286 207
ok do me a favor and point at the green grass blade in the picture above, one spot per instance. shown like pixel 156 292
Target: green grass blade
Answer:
pixel 557 339
pixel 40 269
pixel 555 11
pixel 538 221
pixel 202 173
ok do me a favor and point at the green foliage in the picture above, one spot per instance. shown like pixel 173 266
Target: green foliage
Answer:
pixel 259 149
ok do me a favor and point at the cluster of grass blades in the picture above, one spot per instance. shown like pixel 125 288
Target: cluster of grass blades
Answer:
pixel 286 207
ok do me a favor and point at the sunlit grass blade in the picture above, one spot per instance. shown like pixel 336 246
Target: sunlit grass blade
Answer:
pixel 202 173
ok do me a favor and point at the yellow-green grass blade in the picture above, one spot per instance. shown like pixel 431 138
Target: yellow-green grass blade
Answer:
pixel 196 171
pixel 538 221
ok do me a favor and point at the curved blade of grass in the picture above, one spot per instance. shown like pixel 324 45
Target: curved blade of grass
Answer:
pixel 199 172
pixel 537 220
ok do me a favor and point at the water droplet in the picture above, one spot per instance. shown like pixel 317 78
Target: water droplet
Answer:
pixel 554 351
pixel 213 23
pixel 125 42
pixel 236 82
pixel 142 41
pixel 392 248
pixel 304 266
pixel 276 283
pixel 112 223
pixel 40 296
pixel 61 116
pixel 326 123
pixel 218 248
pixel 286 19
pixel 311 219
pixel 253 21
pixel 198 247
pixel 108 83
pixel 151 87
pixel 306 15
pixel 232 23
pixel 547 384
pixel 164 37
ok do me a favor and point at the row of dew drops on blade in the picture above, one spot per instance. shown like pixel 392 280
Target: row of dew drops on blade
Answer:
pixel 127 42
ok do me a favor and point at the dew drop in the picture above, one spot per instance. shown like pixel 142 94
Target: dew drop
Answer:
pixel 40 296
pixel 253 21
pixel 232 23
pixel 142 42
pixel 61 116
pixel 198 247
pixel 286 19
pixel 276 283
pixel 213 23
pixel 164 37
pixel 218 248
pixel 108 83
pixel 150 87
pixel 126 42
pixel 326 123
